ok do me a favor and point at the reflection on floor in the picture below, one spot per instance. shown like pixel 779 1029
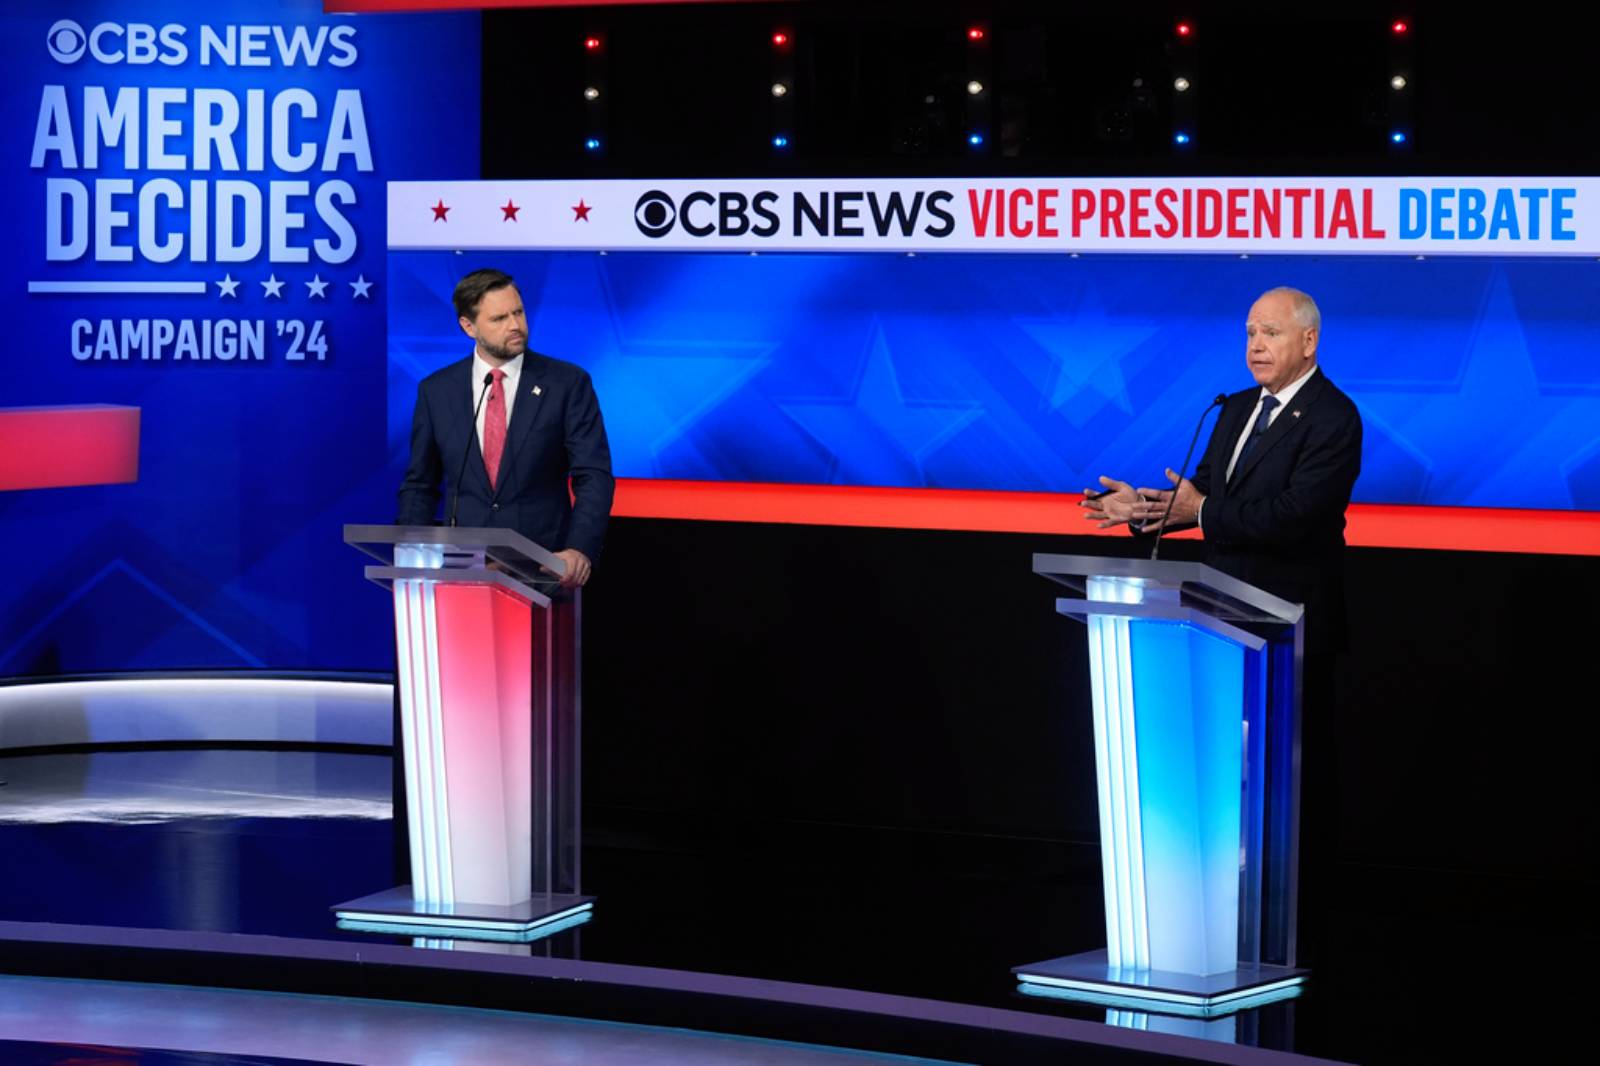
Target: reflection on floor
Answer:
pixel 328 1029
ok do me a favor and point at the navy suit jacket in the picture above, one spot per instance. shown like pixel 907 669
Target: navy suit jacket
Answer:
pixel 1278 523
pixel 555 433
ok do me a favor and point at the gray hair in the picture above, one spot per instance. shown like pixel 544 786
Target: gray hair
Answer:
pixel 1305 308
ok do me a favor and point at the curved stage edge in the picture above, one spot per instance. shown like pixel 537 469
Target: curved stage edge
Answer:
pixel 170 733
pixel 749 1007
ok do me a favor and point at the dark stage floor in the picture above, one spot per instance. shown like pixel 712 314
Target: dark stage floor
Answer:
pixel 261 842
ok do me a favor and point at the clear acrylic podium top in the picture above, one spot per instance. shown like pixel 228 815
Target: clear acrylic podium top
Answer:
pixel 469 554
pixel 1172 590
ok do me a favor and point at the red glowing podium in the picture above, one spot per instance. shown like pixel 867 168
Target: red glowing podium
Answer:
pixel 487 650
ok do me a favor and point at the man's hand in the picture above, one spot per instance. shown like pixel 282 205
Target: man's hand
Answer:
pixel 1112 507
pixel 577 568
pixel 1152 504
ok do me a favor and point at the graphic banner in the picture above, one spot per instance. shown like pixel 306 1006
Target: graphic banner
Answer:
pixel 195 235
pixel 1322 216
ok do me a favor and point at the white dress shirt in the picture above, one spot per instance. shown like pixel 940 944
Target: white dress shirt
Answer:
pixel 480 370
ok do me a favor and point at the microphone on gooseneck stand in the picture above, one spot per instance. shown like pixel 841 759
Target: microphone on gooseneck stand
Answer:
pixel 455 489
pixel 1155 549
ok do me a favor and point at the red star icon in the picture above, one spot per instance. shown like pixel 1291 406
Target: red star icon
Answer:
pixel 439 211
pixel 580 213
pixel 510 211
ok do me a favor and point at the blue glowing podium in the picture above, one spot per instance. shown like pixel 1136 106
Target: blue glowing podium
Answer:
pixel 1195 680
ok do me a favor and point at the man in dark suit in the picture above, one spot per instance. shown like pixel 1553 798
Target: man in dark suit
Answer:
pixel 1269 496
pixel 538 425
pixel 1271 490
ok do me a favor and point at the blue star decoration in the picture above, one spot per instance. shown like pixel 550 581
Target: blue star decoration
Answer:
pixel 655 385
pixel 879 436
pixel 272 287
pixel 1498 439
pixel 1086 348
pixel 361 288
pixel 316 287
pixel 228 287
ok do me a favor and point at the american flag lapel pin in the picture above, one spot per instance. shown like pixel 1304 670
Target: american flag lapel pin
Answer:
pixel 1296 413
pixel 538 390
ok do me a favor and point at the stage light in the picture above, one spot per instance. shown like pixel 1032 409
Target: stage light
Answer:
pixel 975 33
pixel 593 144
pixel 1397 82
pixel 779 89
pixel 1400 26
pixel 780 141
pixel 975 139
pixel 1181 84
pixel 1184 29
pixel 1398 137
pixel 974 87
pixel 591 44
pixel 780 39
pixel 1181 138
pixel 591 93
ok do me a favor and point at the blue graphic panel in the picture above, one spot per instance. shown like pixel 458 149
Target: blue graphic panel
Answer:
pixel 1479 380
pixel 233 154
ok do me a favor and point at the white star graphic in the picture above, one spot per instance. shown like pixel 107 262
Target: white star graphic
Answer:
pixel 272 286
pixel 228 287
pixel 360 287
pixel 316 286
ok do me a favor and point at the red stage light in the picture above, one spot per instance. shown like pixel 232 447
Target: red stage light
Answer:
pixel 975 34
pixel 1400 26
pixel 1184 29
pixel 780 39
pixel 592 43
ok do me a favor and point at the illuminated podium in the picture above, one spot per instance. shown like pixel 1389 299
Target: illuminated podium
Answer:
pixel 1195 680
pixel 488 687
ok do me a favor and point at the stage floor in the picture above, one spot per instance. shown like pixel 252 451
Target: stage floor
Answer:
pixel 250 847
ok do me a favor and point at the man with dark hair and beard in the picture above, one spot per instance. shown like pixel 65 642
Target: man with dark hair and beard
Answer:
pixel 538 426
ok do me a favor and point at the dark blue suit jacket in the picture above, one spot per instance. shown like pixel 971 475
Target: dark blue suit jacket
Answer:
pixel 1279 522
pixel 555 433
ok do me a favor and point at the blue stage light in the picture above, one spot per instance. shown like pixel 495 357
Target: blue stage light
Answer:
pixel 976 140
pixel 1181 138
pixel 593 144
pixel 1398 137
pixel 780 141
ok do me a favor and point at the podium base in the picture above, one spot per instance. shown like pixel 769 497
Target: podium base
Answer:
pixel 396 913
pixel 1089 978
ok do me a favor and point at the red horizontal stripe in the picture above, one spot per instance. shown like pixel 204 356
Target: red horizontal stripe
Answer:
pixel 53 447
pixel 1370 525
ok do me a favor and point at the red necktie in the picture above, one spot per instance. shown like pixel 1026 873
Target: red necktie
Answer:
pixel 494 426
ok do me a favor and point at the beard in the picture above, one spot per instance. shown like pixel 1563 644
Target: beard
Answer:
pixel 503 352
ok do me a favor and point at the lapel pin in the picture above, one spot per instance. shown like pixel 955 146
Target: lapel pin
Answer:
pixel 1295 413
pixel 539 391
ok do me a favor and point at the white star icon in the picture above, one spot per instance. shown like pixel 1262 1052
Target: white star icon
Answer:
pixel 316 286
pixel 272 286
pixel 228 287
pixel 360 287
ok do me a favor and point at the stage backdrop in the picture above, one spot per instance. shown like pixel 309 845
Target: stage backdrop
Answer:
pixel 195 232
pixel 920 342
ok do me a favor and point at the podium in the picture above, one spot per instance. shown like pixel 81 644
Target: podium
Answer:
pixel 1195 685
pixel 487 653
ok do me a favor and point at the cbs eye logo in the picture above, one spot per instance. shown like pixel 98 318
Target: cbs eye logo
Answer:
pixel 655 213
pixel 66 41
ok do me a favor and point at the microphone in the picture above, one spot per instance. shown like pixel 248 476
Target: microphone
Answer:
pixel 1155 550
pixel 455 489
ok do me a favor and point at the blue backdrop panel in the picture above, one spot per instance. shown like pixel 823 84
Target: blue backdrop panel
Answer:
pixel 1479 380
pixel 227 551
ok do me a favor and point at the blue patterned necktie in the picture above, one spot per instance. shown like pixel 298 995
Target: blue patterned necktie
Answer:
pixel 1263 420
